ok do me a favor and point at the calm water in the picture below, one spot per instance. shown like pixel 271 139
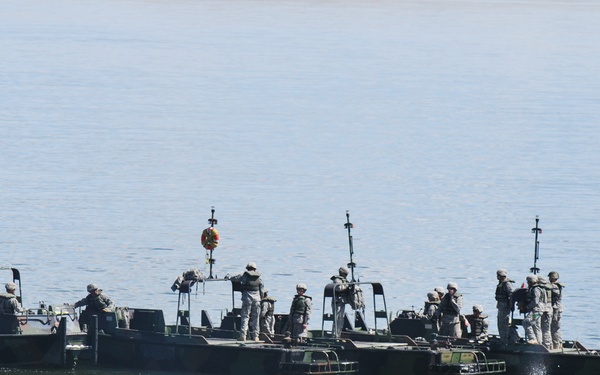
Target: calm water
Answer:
pixel 444 127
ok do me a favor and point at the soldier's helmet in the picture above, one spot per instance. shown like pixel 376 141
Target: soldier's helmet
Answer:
pixel 452 285
pixel 532 279
pixel 478 308
pixel 251 266
pixel 502 272
pixel 433 296
pixel 541 280
pixel 440 290
pixel 92 287
pixel 553 275
pixel 10 287
pixel 301 286
pixel 343 271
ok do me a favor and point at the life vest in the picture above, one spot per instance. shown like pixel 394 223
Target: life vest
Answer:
pixel 210 238
pixel 251 282
pixel 269 303
pixel 299 305
pixel 6 303
pixel 502 294
pixel 446 307
pixel 477 324
pixel 556 293
pixel 97 302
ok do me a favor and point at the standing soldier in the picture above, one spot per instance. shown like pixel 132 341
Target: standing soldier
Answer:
pixel 10 306
pixel 504 291
pixel 546 318
pixel 556 310
pixel 450 309
pixel 300 313
pixel 252 290
pixel 431 308
pixel 267 309
pixel 338 304
pixel 534 307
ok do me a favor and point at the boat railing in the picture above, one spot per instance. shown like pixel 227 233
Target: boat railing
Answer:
pixel 378 308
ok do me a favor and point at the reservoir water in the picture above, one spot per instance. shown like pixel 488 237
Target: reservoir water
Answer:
pixel 444 127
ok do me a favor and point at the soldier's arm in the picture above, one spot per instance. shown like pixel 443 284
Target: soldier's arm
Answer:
pixel 308 310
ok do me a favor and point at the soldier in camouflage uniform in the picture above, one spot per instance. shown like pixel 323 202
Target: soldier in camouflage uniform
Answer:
pixel 431 308
pixel 96 301
pixel 9 304
pixel 556 310
pixel 300 313
pixel 252 290
pixel 535 305
pixel 450 310
pixel 479 324
pixel 267 317
pixel 546 318
pixel 504 291
pixel 338 304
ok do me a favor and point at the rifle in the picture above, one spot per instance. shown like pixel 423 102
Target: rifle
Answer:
pixel 348 225
pixel 536 254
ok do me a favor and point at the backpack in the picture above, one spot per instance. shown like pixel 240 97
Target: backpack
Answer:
pixel 355 297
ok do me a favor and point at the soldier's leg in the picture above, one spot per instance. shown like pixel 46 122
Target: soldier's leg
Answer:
pixel 555 330
pixel 339 311
pixel 245 318
pixel 528 326
pixel 545 322
pixel 254 314
pixel 503 323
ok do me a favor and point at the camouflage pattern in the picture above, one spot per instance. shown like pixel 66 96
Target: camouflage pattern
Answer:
pixel 504 291
pixel 9 304
pixel 450 307
pixel 267 317
pixel 536 306
pixel 338 304
pixel 557 310
pixel 300 312
pixel 96 302
pixel 252 290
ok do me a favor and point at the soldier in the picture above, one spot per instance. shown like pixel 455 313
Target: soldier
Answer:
pixel 504 291
pixel 440 291
pixel 450 310
pixel 546 317
pixel 300 313
pixel 267 318
pixel 534 307
pixel 338 305
pixel 556 310
pixel 9 304
pixel 252 290
pixel 96 301
pixel 431 305
pixel 9 307
pixel 479 323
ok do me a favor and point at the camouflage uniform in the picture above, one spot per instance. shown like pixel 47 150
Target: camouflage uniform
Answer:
pixel 535 307
pixel 95 301
pixel 267 317
pixel 557 310
pixel 479 323
pixel 338 305
pixel 9 304
pixel 450 310
pixel 300 312
pixel 504 291
pixel 431 308
pixel 252 290
pixel 546 318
